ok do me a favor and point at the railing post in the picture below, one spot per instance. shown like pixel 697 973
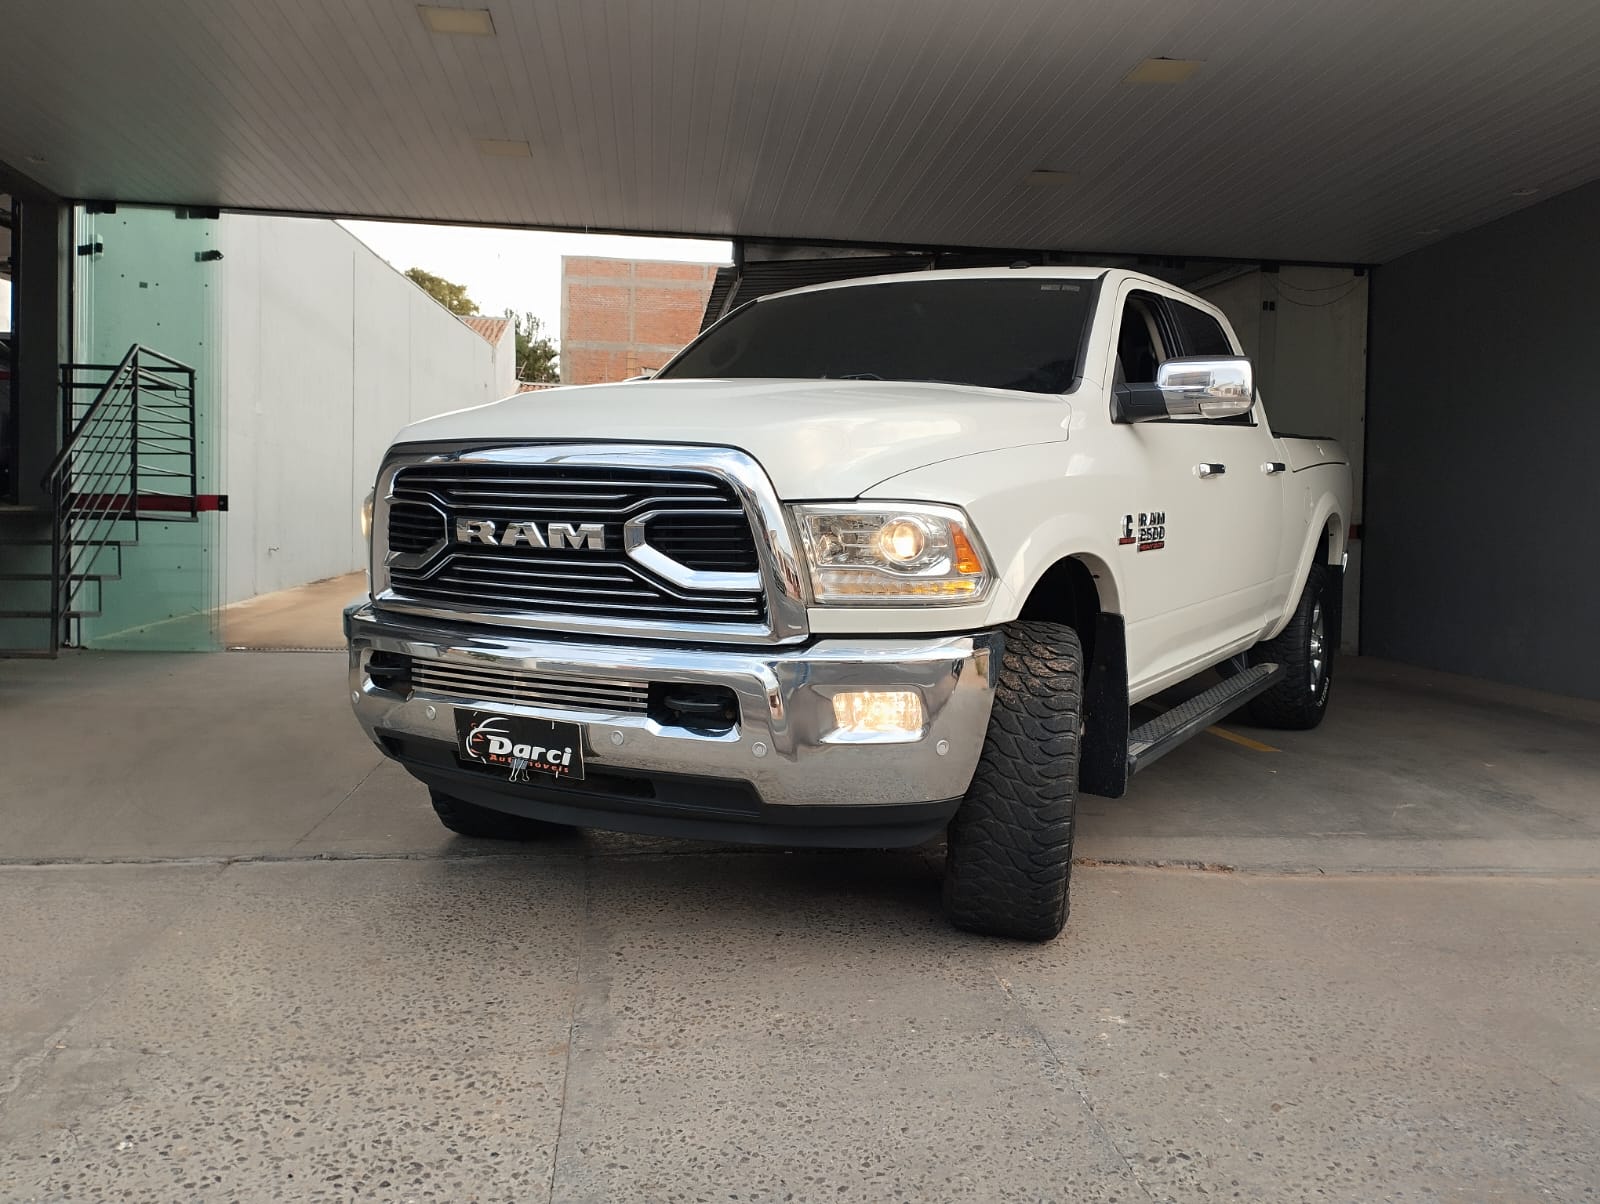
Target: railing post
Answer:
pixel 133 448
pixel 58 499
pixel 67 394
pixel 194 454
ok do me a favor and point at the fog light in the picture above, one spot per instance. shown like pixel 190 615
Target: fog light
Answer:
pixel 877 715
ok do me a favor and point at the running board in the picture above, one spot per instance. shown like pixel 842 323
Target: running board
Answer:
pixel 1148 742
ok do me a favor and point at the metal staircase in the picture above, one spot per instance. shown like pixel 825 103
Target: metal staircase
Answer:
pixel 128 455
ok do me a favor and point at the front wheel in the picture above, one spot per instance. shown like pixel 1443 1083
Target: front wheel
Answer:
pixel 1305 648
pixel 1008 859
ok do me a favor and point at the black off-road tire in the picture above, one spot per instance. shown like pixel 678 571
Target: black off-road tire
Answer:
pixel 1305 648
pixel 1008 859
pixel 469 819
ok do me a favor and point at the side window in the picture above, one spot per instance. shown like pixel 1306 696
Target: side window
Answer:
pixel 1199 332
pixel 1139 344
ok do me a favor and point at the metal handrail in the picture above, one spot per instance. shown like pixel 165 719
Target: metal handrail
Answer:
pixel 94 481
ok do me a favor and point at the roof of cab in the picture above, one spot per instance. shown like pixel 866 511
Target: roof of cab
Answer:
pixel 1037 271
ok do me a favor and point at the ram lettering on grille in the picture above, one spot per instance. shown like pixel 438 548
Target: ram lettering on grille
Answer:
pixel 535 535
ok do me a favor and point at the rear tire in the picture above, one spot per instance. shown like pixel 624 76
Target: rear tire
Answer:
pixel 1305 649
pixel 1008 859
pixel 469 819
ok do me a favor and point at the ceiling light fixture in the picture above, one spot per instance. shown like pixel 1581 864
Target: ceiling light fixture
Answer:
pixel 1044 176
pixel 1163 71
pixel 504 148
pixel 472 21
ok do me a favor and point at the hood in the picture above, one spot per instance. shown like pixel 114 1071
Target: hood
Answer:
pixel 816 439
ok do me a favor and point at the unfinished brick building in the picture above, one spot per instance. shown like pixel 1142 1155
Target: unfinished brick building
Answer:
pixel 621 316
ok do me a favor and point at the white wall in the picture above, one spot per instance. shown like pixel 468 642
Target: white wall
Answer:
pixel 328 351
pixel 505 363
pixel 1306 330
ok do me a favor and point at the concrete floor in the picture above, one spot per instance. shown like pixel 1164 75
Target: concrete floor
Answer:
pixel 306 617
pixel 242 961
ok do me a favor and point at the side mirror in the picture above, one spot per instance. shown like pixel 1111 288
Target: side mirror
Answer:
pixel 1210 387
pixel 1201 387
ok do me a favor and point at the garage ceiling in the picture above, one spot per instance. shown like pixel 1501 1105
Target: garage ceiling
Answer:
pixel 1345 130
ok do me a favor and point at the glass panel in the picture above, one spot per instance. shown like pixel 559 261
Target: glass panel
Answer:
pixel 141 276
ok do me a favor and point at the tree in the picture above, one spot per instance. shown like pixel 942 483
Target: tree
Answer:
pixel 537 354
pixel 447 293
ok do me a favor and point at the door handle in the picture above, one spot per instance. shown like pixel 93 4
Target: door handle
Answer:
pixel 1273 467
pixel 1209 470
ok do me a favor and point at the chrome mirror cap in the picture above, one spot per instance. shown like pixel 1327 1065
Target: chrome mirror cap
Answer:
pixel 1207 386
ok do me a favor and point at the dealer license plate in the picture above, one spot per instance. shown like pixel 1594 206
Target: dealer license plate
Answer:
pixel 519 748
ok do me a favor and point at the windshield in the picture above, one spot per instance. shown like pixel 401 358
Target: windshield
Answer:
pixel 998 334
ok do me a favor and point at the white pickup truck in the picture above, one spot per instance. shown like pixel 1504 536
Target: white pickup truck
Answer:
pixel 865 564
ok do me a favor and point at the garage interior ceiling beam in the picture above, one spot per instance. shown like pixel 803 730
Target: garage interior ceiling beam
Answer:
pixel 1348 130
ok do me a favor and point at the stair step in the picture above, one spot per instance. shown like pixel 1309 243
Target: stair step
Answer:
pixel 1150 741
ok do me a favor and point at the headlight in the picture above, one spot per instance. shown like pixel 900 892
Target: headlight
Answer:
pixel 875 553
pixel 366 516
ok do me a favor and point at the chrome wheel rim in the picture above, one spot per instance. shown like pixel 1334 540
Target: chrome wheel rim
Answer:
pixel 1318 654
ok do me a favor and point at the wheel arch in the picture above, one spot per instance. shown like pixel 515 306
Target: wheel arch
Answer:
pixel 1326 541
pixel 1080 592
pixel 1073 591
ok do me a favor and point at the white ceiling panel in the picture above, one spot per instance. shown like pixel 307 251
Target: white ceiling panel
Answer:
pixel 1336 130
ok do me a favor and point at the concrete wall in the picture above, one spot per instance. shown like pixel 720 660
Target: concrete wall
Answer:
pixel 1481 552
pixel 1306 330
pixel 329 351
pixel 619 316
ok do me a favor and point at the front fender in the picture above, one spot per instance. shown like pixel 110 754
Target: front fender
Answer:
pixel 1032 506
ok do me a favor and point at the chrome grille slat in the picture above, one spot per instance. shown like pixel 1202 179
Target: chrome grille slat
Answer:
pixel 490 574
pixel 485 669
pixel 504 489
pixel 430 677
pixel 472 683
pixel 553 477
pixel 540 604
pixel 665 594
pixel 429 672
pixel 489 503
pixel 702 524
pixel 463 565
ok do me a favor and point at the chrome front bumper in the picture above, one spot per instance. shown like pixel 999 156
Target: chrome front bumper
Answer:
pixel 783 744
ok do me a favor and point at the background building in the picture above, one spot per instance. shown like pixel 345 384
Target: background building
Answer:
pixel 622 316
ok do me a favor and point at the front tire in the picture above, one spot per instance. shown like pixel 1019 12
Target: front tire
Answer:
pixel 1008 859
pixel 1305 648
pixel 469 819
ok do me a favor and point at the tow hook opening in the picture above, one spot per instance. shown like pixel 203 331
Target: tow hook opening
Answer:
pixel 389 671
pixel 704 710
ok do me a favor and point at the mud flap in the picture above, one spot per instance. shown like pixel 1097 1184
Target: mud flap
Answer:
pixel 1103 763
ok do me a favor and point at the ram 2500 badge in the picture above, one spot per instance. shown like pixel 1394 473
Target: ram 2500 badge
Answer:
pixel 865 564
